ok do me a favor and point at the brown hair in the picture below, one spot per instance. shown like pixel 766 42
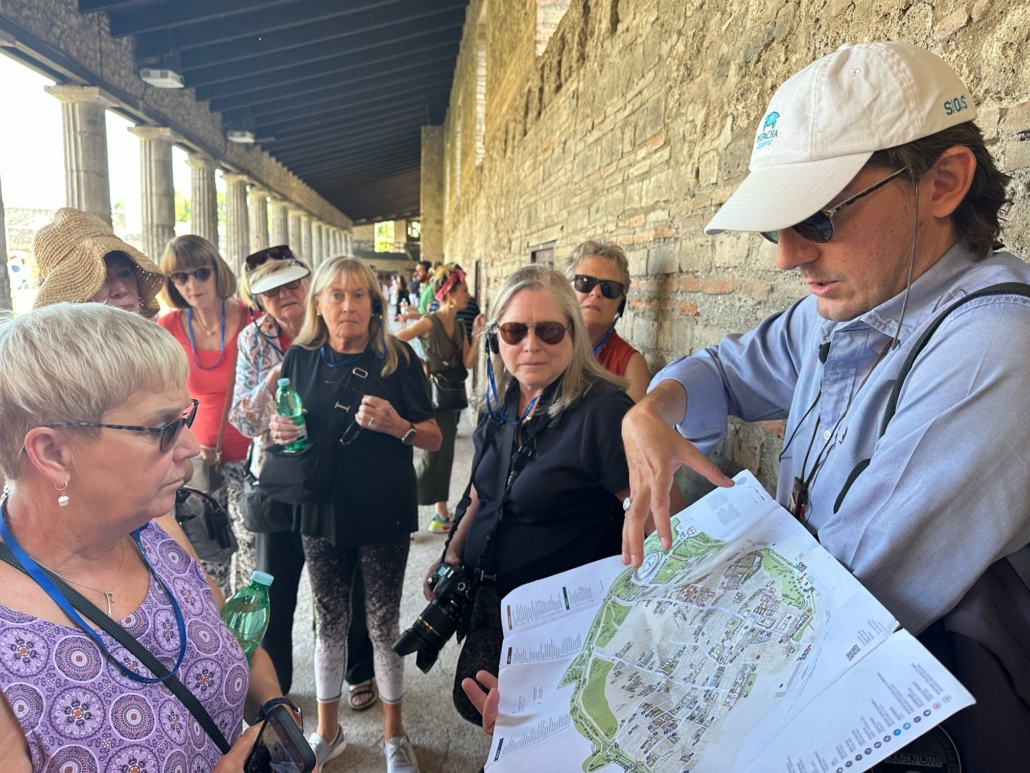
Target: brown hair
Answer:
pixel 184 253
pixel 978 217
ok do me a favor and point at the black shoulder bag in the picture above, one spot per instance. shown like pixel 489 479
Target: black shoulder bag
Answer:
pixel 127 640
pixel 985 640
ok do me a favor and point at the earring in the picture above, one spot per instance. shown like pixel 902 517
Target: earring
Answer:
pixel 62 500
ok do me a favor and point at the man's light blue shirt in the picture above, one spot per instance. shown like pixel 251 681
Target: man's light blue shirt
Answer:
pixel 948 490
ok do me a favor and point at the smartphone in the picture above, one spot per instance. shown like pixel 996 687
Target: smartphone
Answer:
pixel 281 746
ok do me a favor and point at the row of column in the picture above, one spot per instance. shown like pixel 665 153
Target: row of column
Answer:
pixel 248 227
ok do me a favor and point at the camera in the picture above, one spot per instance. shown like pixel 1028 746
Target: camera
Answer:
pixel 453 589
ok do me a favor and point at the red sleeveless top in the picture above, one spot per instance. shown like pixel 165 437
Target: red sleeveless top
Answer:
pixel 614 355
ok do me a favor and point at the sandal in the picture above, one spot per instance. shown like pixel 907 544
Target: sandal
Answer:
pixel 362 696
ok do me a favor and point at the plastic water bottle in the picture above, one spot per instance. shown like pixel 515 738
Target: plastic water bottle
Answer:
pixel 246 613
pixel 287 403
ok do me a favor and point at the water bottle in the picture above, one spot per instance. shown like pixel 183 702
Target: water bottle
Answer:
pixel 246 613
pixel 287 403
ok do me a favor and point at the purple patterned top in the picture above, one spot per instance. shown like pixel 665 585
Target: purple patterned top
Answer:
pixel 80 713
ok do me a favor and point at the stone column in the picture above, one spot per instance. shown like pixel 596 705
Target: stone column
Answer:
pixel 86 179
pixel 157 188
pixel 237 229
pixel 280 222
pixel 204 198
pixel 293 237
pixel 348 247
pixel 257 205
pixel 5 279
pixel 305 239
pixel 317 246
pixel 431 194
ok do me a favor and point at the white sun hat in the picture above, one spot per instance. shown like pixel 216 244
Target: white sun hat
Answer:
pixel 823 124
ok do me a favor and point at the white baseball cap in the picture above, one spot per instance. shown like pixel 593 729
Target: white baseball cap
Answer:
pixel 823 124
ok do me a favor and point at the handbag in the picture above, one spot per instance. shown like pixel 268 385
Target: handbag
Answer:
pixel 206 525
pixel 446 396
pixel 261 514
pixel 130 643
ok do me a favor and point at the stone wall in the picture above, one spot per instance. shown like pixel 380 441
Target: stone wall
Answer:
pixel 636 123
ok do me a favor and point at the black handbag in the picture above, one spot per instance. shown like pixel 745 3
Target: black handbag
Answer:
pixel 261 514
pixel 206 525
pixel 481 651
pixel 446 396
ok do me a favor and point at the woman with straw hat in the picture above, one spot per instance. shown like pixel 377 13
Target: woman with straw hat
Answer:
pixel 81 260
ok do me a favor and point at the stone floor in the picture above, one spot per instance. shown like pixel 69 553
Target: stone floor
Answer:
pixel 443 741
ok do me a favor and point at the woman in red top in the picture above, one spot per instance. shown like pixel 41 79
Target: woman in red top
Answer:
pixel 206 321
pixel 600 276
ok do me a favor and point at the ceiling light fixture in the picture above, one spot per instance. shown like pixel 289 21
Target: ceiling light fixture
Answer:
pixel 161 79
pixel 243 136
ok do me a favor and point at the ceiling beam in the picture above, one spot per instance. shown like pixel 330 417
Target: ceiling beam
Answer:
pixel 351 176
pixel 355 64
pixel 137 19
pixel 378 164
pixel 306 133
pixel 343 134
pixel 436 62
pixel 340 104
pixel 270 43
pixel 363 112
pixel 88 6
pixel 389 36
pixel 398 137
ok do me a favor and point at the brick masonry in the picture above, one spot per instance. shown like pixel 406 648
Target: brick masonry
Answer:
pixel 636 123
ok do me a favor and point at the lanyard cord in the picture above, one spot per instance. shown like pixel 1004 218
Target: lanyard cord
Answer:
pixel 502 416
pixel 349 359
pixel 603 341
pixel 270 339
pixel 193 346
pixel 42 579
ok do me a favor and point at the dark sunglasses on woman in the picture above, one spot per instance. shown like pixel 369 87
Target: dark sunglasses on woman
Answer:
pixel 281 252
pixel 167 433
pixel 550 333
pixel 201 274
pixel 609 289
pixel 274 292
pixel 819 227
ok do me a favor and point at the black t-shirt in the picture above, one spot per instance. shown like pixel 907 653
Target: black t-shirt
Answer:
pixel 373 489
pixel 562 511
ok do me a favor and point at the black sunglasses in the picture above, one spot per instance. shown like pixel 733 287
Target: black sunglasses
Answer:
pixel 550 333
pixel 167 432
pixel 609 289
pixel 819 227
pixel 282 252
pixel 201 274
pixel 274 292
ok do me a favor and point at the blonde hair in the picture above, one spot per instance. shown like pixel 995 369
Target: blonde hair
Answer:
pixel 269 267
pixel 314 333
pixel 583 371
pixel 440 274
pixel 184 253
pixel 76 362
pixel 610 252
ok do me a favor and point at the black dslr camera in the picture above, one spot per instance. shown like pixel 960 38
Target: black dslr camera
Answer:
pixel 453 589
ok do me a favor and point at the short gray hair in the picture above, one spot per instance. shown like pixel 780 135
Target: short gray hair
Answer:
pixel 606 250
pixel 76 362
pixel 584 370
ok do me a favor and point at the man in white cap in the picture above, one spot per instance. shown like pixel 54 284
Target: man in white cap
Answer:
pixel 869 175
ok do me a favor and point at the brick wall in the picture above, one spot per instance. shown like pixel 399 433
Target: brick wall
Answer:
pixel 636 123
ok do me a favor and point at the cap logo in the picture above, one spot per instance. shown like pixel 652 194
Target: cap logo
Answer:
pixel 768 133
pixel 955 105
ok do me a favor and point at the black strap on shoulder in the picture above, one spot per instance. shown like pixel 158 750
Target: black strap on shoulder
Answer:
pixel 127 640
pixel 1004 288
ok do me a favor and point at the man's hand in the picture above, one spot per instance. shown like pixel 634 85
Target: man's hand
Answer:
pixel 655 450
pixel 485 701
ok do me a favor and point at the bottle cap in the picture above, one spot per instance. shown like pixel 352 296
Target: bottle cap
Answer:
pixel 263 578
pixel 284 382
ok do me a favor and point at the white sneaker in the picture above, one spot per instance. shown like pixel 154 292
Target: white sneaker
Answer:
pixel 400 757
pixel 324 750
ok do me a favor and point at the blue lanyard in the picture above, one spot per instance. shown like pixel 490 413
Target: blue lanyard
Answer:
pixel 603 341
pixel 193 347
pixel 502 416
pixel 270 339
pixel 51 590
pixel 349 359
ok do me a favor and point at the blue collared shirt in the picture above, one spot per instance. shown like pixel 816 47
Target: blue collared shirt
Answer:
pixel 948 490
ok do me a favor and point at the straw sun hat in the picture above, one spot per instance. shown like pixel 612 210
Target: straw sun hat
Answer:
pixel 70 254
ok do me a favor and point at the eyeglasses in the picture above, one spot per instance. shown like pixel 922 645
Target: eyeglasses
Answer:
pixel 282 252
pixel 274 292
pixel 201 274
pixel 609 289
pixel 819 227
pixel 168 432
pixel 550 333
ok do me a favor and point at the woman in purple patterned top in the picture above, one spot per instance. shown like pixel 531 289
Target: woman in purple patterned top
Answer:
pixel 88 504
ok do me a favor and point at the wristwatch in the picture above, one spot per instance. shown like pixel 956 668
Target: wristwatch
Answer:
pixel 409 437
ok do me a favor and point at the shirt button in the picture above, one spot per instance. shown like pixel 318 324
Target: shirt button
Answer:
pixel 826 434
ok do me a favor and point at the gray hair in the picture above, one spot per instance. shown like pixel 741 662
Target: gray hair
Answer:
pixel 606 250
pixel 76 362
pixel 268 268
pixel 584 370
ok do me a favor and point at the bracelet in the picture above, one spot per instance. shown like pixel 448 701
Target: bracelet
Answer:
pixel 267 706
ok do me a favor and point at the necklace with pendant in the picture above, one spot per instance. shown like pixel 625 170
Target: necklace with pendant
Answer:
pixel 107 594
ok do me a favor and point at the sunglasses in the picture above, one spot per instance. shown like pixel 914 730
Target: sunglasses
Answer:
pixel 819 227
pixel 609 289
pixel 201 274
pixel 282 252
pixel 167 433
pixel 274 292
pixel 550 333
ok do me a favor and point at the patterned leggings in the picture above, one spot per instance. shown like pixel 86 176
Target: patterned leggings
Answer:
pixel 232 576
pixel 332 570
